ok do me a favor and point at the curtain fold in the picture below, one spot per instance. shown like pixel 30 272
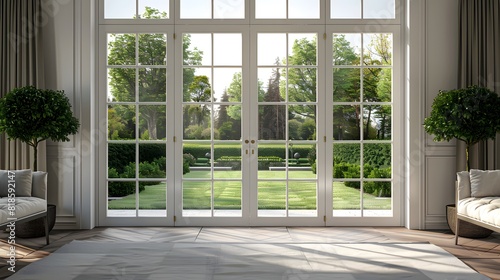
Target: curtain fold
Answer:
pixel 479 64
pixel 21 62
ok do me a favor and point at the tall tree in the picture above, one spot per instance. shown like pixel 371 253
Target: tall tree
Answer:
pixel 272 123
pixel 152 80
pixel 199 91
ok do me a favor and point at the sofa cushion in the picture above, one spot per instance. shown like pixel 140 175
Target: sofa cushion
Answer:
pixel 484 183
pixel 484 209
pixel 22 178
pixel 39 184
pixel 463 180
pixel 25 206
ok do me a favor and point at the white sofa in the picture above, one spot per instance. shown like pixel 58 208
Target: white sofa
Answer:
pixel 28 191
pixel 478 199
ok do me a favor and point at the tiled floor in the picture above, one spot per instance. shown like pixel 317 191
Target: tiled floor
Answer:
pixel 482 254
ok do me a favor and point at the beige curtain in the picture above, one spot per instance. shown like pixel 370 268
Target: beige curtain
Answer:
pixel 479 64
pixel 21 64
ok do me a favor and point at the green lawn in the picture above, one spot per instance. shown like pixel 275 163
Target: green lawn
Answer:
pixel 271 194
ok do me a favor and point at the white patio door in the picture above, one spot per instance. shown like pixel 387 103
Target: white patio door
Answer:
pixel 249 113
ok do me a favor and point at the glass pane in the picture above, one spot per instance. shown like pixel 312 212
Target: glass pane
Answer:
pixel 227 49
pixel 121 199
pixel 227 199
pixel 199 89
pixel 379 9
pixel 121 84
pixel 346 199
pixel 229 9
pixel 302 84
pixel 302 198
pixel 152 84
pixel 345 9
pixel 303 9
pixel 346 122
pixel 121 160
pixel 197 122
pixel 152 161
pixel 346 49
pixel 377 199
pixel 121 122
pixel 152 49
pixel 115 9
pixel 227 84
pixel 377 84
pixel 121 49
pixel 226 126
pixel 233 89
pixel 197 49
pixel 377 160
pixel 152 122
pixel 271 198
pixel 196 199
pixel 191 56
pixel 272 122
pixel 196 9
pixel 272 161
pixel 377 49
pixel 271 84
pixel 346 160
pixel 197 160
pixel 154 8
pixel 346 84
pixel 302 122
pixel 302 49
pixel 227 161
pixel 301 161
pixel 271 48
pixel 377 122
pixel 270 9
pixel 153 199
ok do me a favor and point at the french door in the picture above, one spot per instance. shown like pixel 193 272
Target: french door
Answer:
pixel 241 128
pixel 249 126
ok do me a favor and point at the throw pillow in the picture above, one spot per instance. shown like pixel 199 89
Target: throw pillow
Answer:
pixel 22 179
pixel 484 183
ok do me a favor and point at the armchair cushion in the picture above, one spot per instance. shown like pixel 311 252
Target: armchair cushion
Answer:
pixel 39 184
pixel 23 180
pixel 485 183
pixel 463 180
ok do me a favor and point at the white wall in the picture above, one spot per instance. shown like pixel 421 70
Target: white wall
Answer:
pixel 431 65
pixel 441 73
pixel 67 40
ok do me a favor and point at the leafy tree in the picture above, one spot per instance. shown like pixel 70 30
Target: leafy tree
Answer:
pixel 152 81
pixel 199 91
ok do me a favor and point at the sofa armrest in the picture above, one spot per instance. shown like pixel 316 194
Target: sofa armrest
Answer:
pixel 463 185
pixel 39 184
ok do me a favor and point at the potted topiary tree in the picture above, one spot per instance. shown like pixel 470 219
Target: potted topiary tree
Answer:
pixel 470 115
pixel 34 115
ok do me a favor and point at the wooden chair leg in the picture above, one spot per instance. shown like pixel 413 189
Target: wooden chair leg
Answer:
pixel 46 223
pixel 456 230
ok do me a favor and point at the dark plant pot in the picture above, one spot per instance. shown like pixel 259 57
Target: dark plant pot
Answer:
pixel 466 229
pixel 36 228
